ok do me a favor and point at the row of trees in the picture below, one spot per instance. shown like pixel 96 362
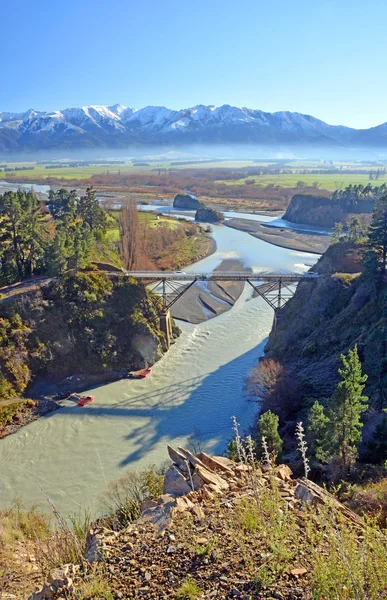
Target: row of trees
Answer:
pixel 47 238
pixel 373 238
pixel 352 194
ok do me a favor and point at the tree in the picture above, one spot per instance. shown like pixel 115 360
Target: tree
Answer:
pixel 91 212
pixel 129 234
pixel 318 432
pixel 377 233
pixel 62 205
pixel 355 230
pixel 345 408
pixel 21 232
pixel 83 243
pixel 268 429
pixel 270 383
pixel 337 233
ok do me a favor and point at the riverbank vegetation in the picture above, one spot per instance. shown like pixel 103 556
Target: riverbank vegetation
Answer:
pixel 81 323
pixel 71 232
pixel 325 363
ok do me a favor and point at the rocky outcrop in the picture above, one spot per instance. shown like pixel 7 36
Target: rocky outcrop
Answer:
pixel 200 533
pixel 186 201
pixel 323 211
pixel 314 210
pixel 209 215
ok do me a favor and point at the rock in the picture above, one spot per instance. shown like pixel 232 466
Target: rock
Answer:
pixel 57 580
pixel 171 549
pixel 186 201
pixel 284 472
pixel 306 495
pixel 212 463
pixel 177 458
pixel 209 215
pixel 193 460
pixel 160 515
pixel 198 512
pixel 164 498
pixel 94 545
pixel 175 483
pixel 147 504
pixel 183 504
pixel 211 478
pixel 300 571
pixel 224 461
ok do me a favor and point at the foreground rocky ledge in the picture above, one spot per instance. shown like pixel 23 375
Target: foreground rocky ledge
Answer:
pixel 218 529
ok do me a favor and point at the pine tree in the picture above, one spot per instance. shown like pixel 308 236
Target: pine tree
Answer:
pixel 337 233
pixel 377 233
pixel 91 213
pixel 268 429
pixel 355 231
pixel 345 408
pixel 318 432
pixel 21 231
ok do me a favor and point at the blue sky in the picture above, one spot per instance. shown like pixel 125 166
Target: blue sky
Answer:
pixel 321 57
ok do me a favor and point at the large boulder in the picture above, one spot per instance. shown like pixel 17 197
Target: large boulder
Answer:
pixel 175 483
pixel 186 201
pixel 209 215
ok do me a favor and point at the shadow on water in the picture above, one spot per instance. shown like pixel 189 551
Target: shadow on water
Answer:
pixel 200 405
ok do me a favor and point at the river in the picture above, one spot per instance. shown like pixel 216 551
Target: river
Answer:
pixel 196 388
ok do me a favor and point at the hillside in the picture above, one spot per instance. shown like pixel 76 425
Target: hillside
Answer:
pixel 211 528
pixel 119 126
pixel 342 308
pixel 84 324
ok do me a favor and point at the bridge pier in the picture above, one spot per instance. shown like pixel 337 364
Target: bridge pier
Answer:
pixel 166 325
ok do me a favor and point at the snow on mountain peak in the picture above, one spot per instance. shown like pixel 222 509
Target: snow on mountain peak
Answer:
pixel 120 126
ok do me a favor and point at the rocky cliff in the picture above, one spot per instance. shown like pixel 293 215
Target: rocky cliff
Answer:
pixel 186 201
pixel 208 215
pixel 323 211
pixel 325 318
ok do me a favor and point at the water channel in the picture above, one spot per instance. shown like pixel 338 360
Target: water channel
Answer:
pixel 194 389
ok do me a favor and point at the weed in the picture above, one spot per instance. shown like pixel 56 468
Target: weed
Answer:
pixel 188 590
pixel 204 550
pixel 95 588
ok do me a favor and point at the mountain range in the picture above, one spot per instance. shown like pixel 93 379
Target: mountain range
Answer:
pixel 122 127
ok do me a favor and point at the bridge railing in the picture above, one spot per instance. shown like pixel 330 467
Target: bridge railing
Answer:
pixel 220 276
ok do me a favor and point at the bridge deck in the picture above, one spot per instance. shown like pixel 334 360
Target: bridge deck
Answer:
pixel 220 276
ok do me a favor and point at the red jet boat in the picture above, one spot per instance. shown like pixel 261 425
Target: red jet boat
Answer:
pixel 145 373
pixel 85 400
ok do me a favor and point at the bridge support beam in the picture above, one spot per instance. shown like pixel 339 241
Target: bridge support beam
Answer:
pixel 166 325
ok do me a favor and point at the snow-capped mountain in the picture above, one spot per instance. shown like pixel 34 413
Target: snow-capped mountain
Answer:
pixel 121 127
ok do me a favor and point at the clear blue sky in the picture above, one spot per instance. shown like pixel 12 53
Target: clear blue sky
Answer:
pixel 321 57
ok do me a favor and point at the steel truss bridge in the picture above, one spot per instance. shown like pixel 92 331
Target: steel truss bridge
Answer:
pixel 275 288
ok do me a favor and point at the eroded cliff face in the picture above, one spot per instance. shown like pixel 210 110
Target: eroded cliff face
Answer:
pixel 186 201
pixel 314 210
pixel 209 215
pixel 328 317
pixel 322 211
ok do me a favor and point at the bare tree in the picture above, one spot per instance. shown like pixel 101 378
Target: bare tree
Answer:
pixel 129 225
pixel 270 384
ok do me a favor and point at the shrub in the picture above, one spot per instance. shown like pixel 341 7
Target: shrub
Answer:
pixel 123 497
